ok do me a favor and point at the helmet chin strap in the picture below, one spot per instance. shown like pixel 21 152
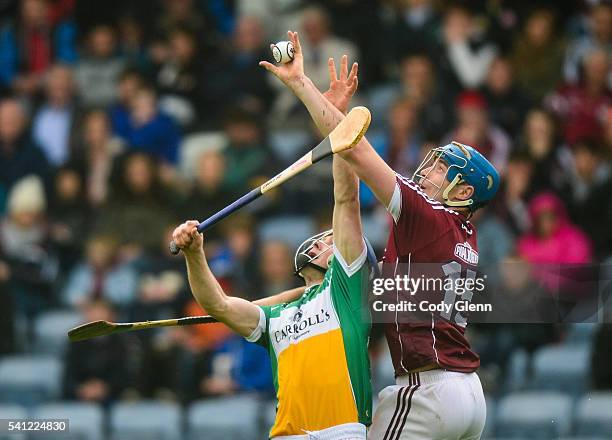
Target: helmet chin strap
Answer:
pixel 455 203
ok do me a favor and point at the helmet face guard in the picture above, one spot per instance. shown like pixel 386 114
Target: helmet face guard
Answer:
pixel 455 165
pixel 302 257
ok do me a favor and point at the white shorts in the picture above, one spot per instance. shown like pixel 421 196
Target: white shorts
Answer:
pixel 348 431
pixel 431 405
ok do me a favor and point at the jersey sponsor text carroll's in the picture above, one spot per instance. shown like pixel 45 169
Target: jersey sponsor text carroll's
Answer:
pixel 301 326
pixel 466 253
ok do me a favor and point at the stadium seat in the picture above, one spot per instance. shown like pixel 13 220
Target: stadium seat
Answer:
pixel 30 379
pixel 289 145
pixel 489 428
pixel 516 376
pixel 145 419
pixel 269 417
pixel 51 328
pixel 86 420
pixel 217 418
pixel 594 415
pixel 376 228
pixel 562 368
pixel 383 371
pixel 10 411
pixel 194 145
pixel 581 333
pixel 291 229
pixel 531 415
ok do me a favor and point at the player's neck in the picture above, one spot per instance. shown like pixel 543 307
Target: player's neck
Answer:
pixel 312 277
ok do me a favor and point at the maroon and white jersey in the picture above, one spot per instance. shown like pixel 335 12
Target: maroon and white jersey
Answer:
pixel 429 240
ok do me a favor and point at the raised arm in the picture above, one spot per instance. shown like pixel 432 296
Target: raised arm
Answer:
pixel 240 315
pixel 346 219
pixel 363 159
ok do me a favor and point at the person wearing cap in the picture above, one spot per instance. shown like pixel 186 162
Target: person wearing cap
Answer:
pixel 437 393
pixel 318 342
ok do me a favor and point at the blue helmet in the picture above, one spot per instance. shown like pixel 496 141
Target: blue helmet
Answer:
pixel 465 164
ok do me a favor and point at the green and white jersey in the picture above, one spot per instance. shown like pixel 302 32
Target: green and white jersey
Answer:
pixel 319 350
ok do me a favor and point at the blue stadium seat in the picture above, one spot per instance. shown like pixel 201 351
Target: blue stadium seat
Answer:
pixel 86 420
pixel 489 427
pixel 11 411
pixel 29 379
pixel 227 418
pixel 580 333
pixel 516 377
pixel 51 329
pixel 291 229
pixel 149 420
pixel 594 415
pixel 288 145
pixel 531 415
pixel 269 417
pixel 563 367
pixel 383 373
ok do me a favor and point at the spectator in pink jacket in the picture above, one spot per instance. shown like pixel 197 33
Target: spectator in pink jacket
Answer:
pixel 553 244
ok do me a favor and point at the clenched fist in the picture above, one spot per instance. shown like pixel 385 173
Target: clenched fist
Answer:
pixel 187 237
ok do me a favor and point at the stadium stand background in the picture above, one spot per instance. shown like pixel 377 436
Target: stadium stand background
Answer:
pixel 119 119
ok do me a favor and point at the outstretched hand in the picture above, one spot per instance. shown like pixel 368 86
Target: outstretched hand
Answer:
pixel 341 89
pixel 291 73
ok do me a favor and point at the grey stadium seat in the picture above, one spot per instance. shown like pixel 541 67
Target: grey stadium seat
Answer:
pixel 149 419
pixel 228 418
pixel 534 415
pixel 86 420
pixel 11 411
pixel 30 379
pixel 51 329
pixel 289 145
pixel 293 230
pixel 489 427
pixel 594 415
pixel 564 367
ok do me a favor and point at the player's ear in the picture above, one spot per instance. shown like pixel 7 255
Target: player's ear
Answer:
pixel 465 192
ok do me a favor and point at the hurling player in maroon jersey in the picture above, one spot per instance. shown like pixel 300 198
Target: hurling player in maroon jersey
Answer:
pixel 437 393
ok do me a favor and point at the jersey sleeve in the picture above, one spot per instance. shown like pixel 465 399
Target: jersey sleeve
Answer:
pixel 349 281
pixel 417 219
pixel 260 334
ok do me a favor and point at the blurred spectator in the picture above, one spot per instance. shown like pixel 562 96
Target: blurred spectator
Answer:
pixel 181 14
pixel 599 36
pixel 246 157
pixel 238 80
pixel 591 188
pixel 582 107
pixel 132 44
pixel 95 155
pixel 238 366
pixel 541 143
pixel 98 72
pixel 474 128
pixel 319 44
pixel 101 369
pixel 31 44
pixel 554 241
pixel 24 240
pixel 208 194
pixel 177 78
pixel 276 267
pixel 141 206
pixel 401 144
pixel 149 129
pixel 495 243
pixel 418 84
pixel 537 54
pixel 506 101
pixel 465 52
pixel 413 28
pixel 54 122
pixel 68 216
pixel 162 287
pixel 18 153
pixel 101 276
pixel 7 310
pixel 128 84
pixel 510 205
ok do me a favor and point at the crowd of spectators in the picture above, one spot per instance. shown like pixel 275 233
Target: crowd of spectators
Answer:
pixel 100 102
